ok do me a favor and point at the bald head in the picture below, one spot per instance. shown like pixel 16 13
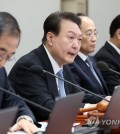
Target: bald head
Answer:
pixel 86 23
pixel 89 34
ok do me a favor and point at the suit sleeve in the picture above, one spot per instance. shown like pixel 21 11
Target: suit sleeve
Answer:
pixel 10 100
pixel 35 88
pixel 89 98
pixel 111 78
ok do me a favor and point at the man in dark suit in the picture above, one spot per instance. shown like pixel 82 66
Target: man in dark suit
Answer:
pixel 9 40
pixel 61 43
pixel 81 69
pixel 110 53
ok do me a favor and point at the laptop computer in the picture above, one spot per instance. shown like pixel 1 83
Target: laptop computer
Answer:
pixel 7 117
pixel 63 114
pixel 112 115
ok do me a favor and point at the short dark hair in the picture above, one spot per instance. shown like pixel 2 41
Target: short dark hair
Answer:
pixel 9 25
pixel 52 22
pixel 80 14
pixel 115 24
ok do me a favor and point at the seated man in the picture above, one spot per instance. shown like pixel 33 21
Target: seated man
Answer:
pixel 84 69
pixel 9 40
pixel 110 54
pixel 60 44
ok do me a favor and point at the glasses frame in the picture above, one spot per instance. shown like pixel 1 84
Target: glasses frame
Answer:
pixel 90 33
pixel 4 56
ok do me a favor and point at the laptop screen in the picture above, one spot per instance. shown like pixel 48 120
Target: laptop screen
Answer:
pixel 112 115
pixel 64 114
pixel 7 117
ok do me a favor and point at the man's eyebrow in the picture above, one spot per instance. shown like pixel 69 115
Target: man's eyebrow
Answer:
pixel 91 30
pixel 3 49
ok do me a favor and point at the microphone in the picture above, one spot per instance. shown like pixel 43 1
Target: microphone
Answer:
pixel 26 100
pixel 104 67
pixel 38 70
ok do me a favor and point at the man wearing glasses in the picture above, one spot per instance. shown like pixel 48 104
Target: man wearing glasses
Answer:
pixel 9 41
pixel 84 69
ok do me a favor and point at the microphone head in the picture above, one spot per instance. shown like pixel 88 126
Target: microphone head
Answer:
pixel 36 69
pixel 102 66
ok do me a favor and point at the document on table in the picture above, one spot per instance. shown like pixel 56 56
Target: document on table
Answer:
pixel 19 132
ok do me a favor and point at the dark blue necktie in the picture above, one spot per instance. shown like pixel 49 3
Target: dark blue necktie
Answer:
pixel 89 62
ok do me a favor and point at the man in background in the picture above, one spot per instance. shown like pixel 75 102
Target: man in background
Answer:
pixel 84 69
pixel 110 54
pixel 9 41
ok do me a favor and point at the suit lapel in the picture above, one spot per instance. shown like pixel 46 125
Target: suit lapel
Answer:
pixel 85 68
pixel 113 52
pixel 99 75
pixel 87 72
pixel 46 64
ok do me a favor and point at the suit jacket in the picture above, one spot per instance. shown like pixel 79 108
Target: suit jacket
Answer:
pixel 109 55
pixel 41 88
pixel 7 100
pixel 85 78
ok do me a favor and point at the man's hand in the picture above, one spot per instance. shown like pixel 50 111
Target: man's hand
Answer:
pixel 102 106
pixel 25 125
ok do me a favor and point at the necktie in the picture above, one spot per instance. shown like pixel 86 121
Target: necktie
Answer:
pixel 61 84
pixel 89 62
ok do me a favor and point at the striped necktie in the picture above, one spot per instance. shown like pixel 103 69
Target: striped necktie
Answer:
pixel 89 62
pixel 61 84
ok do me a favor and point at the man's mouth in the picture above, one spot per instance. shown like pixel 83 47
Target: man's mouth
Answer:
pixel 72 54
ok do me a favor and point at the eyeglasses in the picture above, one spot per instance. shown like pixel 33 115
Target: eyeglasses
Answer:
pixel 4 56
pixel 90 34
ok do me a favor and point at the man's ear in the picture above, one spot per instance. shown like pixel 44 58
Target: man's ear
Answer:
pixel 118 33
pixel 50 37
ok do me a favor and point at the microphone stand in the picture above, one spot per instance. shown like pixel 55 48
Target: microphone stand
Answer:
pixel 26 100
pixel 75 85
pixel 113 71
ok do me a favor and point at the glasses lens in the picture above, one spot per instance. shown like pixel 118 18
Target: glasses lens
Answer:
pixel 91 33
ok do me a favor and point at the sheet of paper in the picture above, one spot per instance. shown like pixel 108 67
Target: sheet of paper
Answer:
pixel 19 132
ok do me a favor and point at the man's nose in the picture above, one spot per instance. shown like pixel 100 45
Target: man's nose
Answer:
pixel 77 44
pixel 94 37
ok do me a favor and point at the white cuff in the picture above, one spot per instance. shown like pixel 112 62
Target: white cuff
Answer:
pixel 26 118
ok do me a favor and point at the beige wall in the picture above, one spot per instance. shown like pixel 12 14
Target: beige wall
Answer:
pixel 30 15
pixel 101 11
pixel 75 6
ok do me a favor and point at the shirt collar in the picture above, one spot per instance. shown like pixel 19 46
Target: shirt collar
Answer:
pixel 116 48
pixel 82 56
pixel 55 66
